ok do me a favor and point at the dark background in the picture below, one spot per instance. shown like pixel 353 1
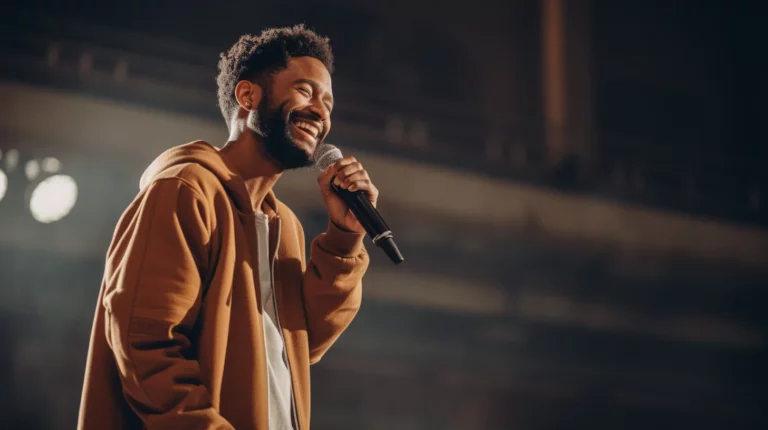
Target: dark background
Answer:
pixel 664 112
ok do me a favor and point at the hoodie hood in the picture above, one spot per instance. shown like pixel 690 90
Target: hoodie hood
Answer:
pixel 207 156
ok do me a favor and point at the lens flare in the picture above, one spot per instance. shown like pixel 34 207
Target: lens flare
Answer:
pixel 53 198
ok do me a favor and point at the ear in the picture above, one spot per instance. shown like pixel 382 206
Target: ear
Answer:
pixel 248 94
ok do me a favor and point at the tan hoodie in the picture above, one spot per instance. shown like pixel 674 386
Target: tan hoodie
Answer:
pixel 177 339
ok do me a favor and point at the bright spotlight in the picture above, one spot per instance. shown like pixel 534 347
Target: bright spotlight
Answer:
pixel 3 184
pixel 53 198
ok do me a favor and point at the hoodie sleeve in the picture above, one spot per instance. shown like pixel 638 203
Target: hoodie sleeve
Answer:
pixel 332 286
pixel 152 301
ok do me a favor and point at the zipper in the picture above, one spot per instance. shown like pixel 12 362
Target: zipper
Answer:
pixel 279 325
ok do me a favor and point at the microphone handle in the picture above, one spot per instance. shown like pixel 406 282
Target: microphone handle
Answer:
pixel 372 222
pixel 365 213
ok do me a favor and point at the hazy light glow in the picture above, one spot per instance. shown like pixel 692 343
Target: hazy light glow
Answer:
pixel 32 169
pixel 3 184
pixel 53 198
pixel 50 165
pixel 11 159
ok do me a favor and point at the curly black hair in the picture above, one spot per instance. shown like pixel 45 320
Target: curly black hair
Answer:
pixel 255 57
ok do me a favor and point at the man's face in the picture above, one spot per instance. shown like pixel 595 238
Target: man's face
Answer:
pixel 294 115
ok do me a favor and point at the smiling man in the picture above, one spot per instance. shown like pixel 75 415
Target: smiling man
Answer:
pixel 209 314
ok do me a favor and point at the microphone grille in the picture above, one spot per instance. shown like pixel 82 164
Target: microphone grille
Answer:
pixel 325 155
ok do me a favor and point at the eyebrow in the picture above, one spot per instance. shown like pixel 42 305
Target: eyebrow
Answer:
pixel 315 86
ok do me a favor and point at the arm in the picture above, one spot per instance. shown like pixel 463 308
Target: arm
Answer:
pixel 332 286
pixel 338 260
pixel 152 301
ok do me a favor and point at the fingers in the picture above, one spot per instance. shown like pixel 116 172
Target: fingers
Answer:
pixel 353 177
pixel 366 186
pixel 340 171
pixel 359 181
pixel 357 185
pixel 324 179
pixel 344 181
pixel 348 174
pixel 347 170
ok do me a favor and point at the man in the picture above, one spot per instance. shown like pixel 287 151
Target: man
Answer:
pixel 209 316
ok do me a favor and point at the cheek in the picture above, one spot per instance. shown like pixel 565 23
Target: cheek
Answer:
pixel 296 101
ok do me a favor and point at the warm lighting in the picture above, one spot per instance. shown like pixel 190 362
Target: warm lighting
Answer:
pixel 53 198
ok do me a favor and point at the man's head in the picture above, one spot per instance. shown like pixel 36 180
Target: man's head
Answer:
pixel 280 81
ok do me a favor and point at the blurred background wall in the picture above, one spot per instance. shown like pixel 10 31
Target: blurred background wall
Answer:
pixel 579 187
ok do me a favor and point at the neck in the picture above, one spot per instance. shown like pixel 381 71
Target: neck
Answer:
pixel 245 152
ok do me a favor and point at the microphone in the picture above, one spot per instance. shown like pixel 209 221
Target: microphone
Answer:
pixel 358 203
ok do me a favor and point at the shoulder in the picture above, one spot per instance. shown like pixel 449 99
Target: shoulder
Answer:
pixel 193 176
pixel 287 214
pixel 285 211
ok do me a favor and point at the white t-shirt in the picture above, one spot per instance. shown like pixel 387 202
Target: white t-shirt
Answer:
pixel 277 367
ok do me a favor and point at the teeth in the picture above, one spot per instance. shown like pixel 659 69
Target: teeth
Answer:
pixel 307 127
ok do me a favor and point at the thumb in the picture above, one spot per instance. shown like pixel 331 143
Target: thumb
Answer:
pixel 325 178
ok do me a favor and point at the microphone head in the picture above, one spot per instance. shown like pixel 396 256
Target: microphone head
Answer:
pixel 325 155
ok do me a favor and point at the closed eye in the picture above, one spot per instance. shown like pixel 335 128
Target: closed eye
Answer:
pixel 305 91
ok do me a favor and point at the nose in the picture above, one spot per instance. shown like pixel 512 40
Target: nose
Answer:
pixel 318 108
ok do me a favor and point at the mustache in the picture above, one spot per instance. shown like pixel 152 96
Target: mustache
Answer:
pixel 305 115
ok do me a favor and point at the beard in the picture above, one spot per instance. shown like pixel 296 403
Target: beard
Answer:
pixel 274 128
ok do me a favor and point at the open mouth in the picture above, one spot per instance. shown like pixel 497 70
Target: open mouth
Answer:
pixel 308 130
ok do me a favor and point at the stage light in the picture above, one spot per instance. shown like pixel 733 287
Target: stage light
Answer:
pixel 50 165
pixel 32 170
pixel 3 184
pixel 11 159
pixel 53 198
